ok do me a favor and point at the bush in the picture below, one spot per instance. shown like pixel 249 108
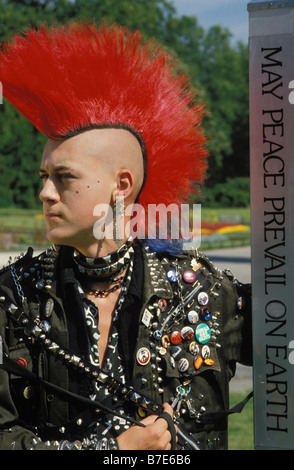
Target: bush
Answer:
pixel 235 192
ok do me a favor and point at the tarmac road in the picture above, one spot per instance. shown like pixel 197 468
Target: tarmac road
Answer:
pixel 238 260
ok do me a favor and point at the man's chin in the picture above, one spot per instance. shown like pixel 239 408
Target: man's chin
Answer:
pixel 59 237
pixel 54 236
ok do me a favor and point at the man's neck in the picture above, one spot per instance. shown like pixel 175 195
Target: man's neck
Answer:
pixel 101 248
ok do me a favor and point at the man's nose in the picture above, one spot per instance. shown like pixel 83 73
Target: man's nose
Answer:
pixel 49 191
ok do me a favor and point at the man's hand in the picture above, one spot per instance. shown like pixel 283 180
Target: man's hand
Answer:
pixel 155 436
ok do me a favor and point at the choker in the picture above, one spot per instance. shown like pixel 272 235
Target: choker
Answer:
pixel 106 267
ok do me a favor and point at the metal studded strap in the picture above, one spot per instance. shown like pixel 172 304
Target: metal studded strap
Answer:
pixel 79 364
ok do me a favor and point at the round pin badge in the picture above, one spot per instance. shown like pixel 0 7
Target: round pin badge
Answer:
pixel 176 352
pixel 172 275
pixel 176 337
pixel 194 348
pixel 202 298
pixel 157 334
pixel 183 364
pixel 162 351
pixel 203 333
pixel 193 317
pixel 187 333
pixel 29 392
pixel 162 304
pixel 22 362
pixel 143 356
pixel 189 276
pixel 205 352
pixel 205 314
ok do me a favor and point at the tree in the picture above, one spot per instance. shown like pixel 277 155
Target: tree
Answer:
pixel 225 73
pixel 217 71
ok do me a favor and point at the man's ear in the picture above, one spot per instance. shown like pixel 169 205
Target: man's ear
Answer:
pixel 124 184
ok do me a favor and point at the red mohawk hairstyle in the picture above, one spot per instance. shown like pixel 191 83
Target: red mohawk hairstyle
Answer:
pixel 65 79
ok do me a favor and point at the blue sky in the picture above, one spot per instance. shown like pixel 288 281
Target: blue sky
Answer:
pixel 231 14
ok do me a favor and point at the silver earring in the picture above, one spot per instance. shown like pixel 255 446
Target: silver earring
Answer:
pixel 118 226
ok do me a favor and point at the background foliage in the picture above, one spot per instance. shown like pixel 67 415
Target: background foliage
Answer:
pixel 217 69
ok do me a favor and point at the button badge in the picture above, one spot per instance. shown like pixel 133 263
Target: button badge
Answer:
pixel 203 333
pixel 172 275
pixel 189 276
pixel 143 356
pixel 176 337
pixel 202 298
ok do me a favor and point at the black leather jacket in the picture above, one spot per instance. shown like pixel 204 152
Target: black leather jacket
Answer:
pixel 187 359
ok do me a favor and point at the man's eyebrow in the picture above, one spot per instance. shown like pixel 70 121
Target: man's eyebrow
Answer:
pixel 58 168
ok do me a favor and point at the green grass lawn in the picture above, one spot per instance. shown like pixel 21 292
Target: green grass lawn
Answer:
pixel 20 219
pixel 27 226
pixel 241 436
pixel 239 214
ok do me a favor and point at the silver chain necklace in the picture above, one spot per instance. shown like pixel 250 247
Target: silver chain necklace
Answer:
pixel 117 283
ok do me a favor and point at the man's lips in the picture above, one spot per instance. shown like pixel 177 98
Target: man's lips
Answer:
pixel 52 215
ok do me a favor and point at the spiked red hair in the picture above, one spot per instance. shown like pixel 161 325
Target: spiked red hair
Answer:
pixel 67 78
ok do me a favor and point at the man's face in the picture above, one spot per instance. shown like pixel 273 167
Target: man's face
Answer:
pixel 79 173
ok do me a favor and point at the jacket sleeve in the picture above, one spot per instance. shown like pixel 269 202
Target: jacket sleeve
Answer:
pixel 237 328
pixel 12 435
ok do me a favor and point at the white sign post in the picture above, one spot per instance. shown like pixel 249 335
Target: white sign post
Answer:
pixel 271 49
